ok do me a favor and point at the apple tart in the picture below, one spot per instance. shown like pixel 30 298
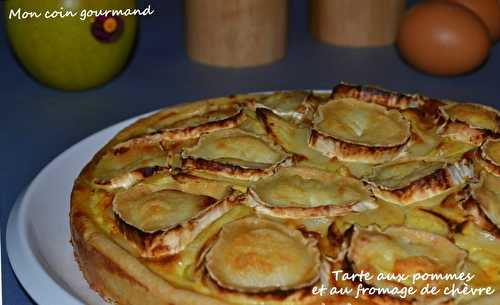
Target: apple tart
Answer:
pixel 265 198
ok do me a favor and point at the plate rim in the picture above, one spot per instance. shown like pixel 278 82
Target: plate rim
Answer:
pixel 20 256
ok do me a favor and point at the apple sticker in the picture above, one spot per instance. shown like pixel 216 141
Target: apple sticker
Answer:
pixel 107 28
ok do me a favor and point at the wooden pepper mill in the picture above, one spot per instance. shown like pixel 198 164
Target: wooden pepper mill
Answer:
pixel 356 23
pixel 236 33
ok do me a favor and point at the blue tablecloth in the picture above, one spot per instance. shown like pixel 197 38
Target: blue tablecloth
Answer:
pixel 38 123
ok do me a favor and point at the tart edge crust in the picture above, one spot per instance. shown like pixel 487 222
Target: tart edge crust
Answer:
pixel 102 261
pixel 104 264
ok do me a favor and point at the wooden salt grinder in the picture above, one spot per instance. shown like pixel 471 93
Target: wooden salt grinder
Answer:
pixel 356 23
pixel 236 33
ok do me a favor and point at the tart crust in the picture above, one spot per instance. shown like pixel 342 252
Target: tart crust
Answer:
pixel 170 267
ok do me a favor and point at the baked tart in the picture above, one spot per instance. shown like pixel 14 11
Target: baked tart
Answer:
pixel 265 198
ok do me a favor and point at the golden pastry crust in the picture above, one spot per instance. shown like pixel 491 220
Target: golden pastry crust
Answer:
pixel 112 271
pixel 179 259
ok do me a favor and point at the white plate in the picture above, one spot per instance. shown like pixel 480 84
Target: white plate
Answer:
pixel 38 232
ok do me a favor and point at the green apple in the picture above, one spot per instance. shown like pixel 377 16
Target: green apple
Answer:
pixel 70 52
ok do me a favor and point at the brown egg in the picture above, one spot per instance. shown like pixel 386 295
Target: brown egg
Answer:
pixel 443 38
pixel 488 11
